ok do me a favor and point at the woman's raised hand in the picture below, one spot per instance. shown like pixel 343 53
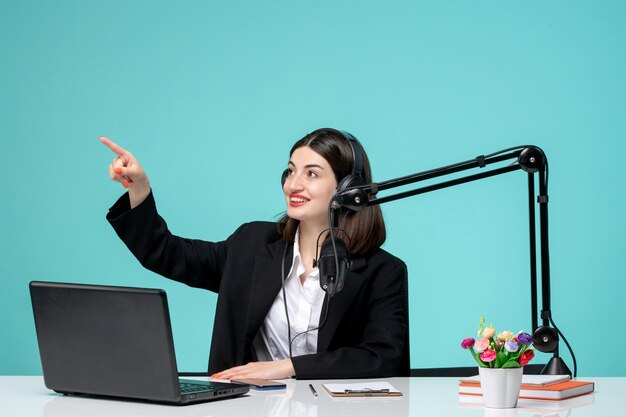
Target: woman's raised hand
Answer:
pixel 126 170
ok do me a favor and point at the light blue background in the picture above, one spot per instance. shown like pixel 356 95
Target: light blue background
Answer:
pixel 210 95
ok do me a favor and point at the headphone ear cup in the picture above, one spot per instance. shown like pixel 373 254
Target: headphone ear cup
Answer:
pixel 545 339
pixel 349 181
pixel 283 177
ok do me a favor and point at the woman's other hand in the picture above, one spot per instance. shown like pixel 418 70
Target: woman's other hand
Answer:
pixel 126 170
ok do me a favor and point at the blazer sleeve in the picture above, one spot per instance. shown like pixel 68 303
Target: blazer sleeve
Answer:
pixel 193 262
pixel 378 352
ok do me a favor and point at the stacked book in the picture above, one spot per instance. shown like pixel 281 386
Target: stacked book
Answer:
pixel 535 388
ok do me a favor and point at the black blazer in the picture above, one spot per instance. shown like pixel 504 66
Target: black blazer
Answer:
pixel 363 335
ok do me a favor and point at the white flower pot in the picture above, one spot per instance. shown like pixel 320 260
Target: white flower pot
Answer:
pixel 500 386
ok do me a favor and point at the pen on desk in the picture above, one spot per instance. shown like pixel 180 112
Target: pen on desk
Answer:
pixel 313 390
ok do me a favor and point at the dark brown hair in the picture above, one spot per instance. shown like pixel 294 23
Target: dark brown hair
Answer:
pixel 366 228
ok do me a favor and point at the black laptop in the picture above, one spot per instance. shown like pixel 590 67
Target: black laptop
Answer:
pixel 114 342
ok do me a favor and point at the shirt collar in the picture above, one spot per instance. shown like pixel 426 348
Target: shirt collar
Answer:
pixel 297 259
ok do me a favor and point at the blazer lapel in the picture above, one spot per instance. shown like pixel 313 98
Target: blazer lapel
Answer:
pixel 339 304
pixel 266 283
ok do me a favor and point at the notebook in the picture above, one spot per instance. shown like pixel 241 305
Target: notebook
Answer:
pixel 114 342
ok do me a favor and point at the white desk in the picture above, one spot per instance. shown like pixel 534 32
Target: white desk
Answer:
pixel 26 396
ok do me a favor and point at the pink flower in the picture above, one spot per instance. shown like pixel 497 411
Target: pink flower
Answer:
pixel 526 357
pixel 488 355
pixel 482 344
pixel 467 343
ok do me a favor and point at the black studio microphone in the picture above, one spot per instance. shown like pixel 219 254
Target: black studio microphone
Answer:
pixel 333 265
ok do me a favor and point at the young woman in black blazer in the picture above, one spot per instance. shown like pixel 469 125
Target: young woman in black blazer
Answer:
pixel 359 332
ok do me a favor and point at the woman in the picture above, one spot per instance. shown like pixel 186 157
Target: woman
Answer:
pixel 360 332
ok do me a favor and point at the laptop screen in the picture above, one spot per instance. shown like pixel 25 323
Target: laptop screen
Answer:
pixel 104 340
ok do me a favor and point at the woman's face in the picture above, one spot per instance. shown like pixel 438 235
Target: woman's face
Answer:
pixel 308 187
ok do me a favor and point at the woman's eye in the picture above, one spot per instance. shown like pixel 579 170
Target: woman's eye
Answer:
pixel 313 174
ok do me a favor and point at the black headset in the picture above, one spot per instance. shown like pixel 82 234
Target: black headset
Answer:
pixel 355 178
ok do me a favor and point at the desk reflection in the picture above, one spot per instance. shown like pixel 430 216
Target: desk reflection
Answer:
pixel 500 412
pixel 535 408
pixel 429 397
pixel 294 401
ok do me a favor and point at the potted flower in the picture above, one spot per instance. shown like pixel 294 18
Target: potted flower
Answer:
pixel 500 358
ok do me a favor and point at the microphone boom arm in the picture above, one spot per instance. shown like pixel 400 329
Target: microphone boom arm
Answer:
pixel 530 159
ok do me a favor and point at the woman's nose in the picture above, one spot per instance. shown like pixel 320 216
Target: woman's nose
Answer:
pixel 294 182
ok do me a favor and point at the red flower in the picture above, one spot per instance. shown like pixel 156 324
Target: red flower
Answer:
pixel 467 343
pixel 488 355
pixel 526 357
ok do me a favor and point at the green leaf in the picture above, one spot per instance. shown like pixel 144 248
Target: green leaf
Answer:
pixel 511 364
pixel 500 359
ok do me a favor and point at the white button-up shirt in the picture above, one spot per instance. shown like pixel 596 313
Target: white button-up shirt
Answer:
pixel 304 304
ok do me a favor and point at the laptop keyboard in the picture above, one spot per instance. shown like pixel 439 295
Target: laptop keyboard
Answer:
pixel 191 388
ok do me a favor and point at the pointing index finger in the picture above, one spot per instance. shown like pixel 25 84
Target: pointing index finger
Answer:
pixel 117 149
